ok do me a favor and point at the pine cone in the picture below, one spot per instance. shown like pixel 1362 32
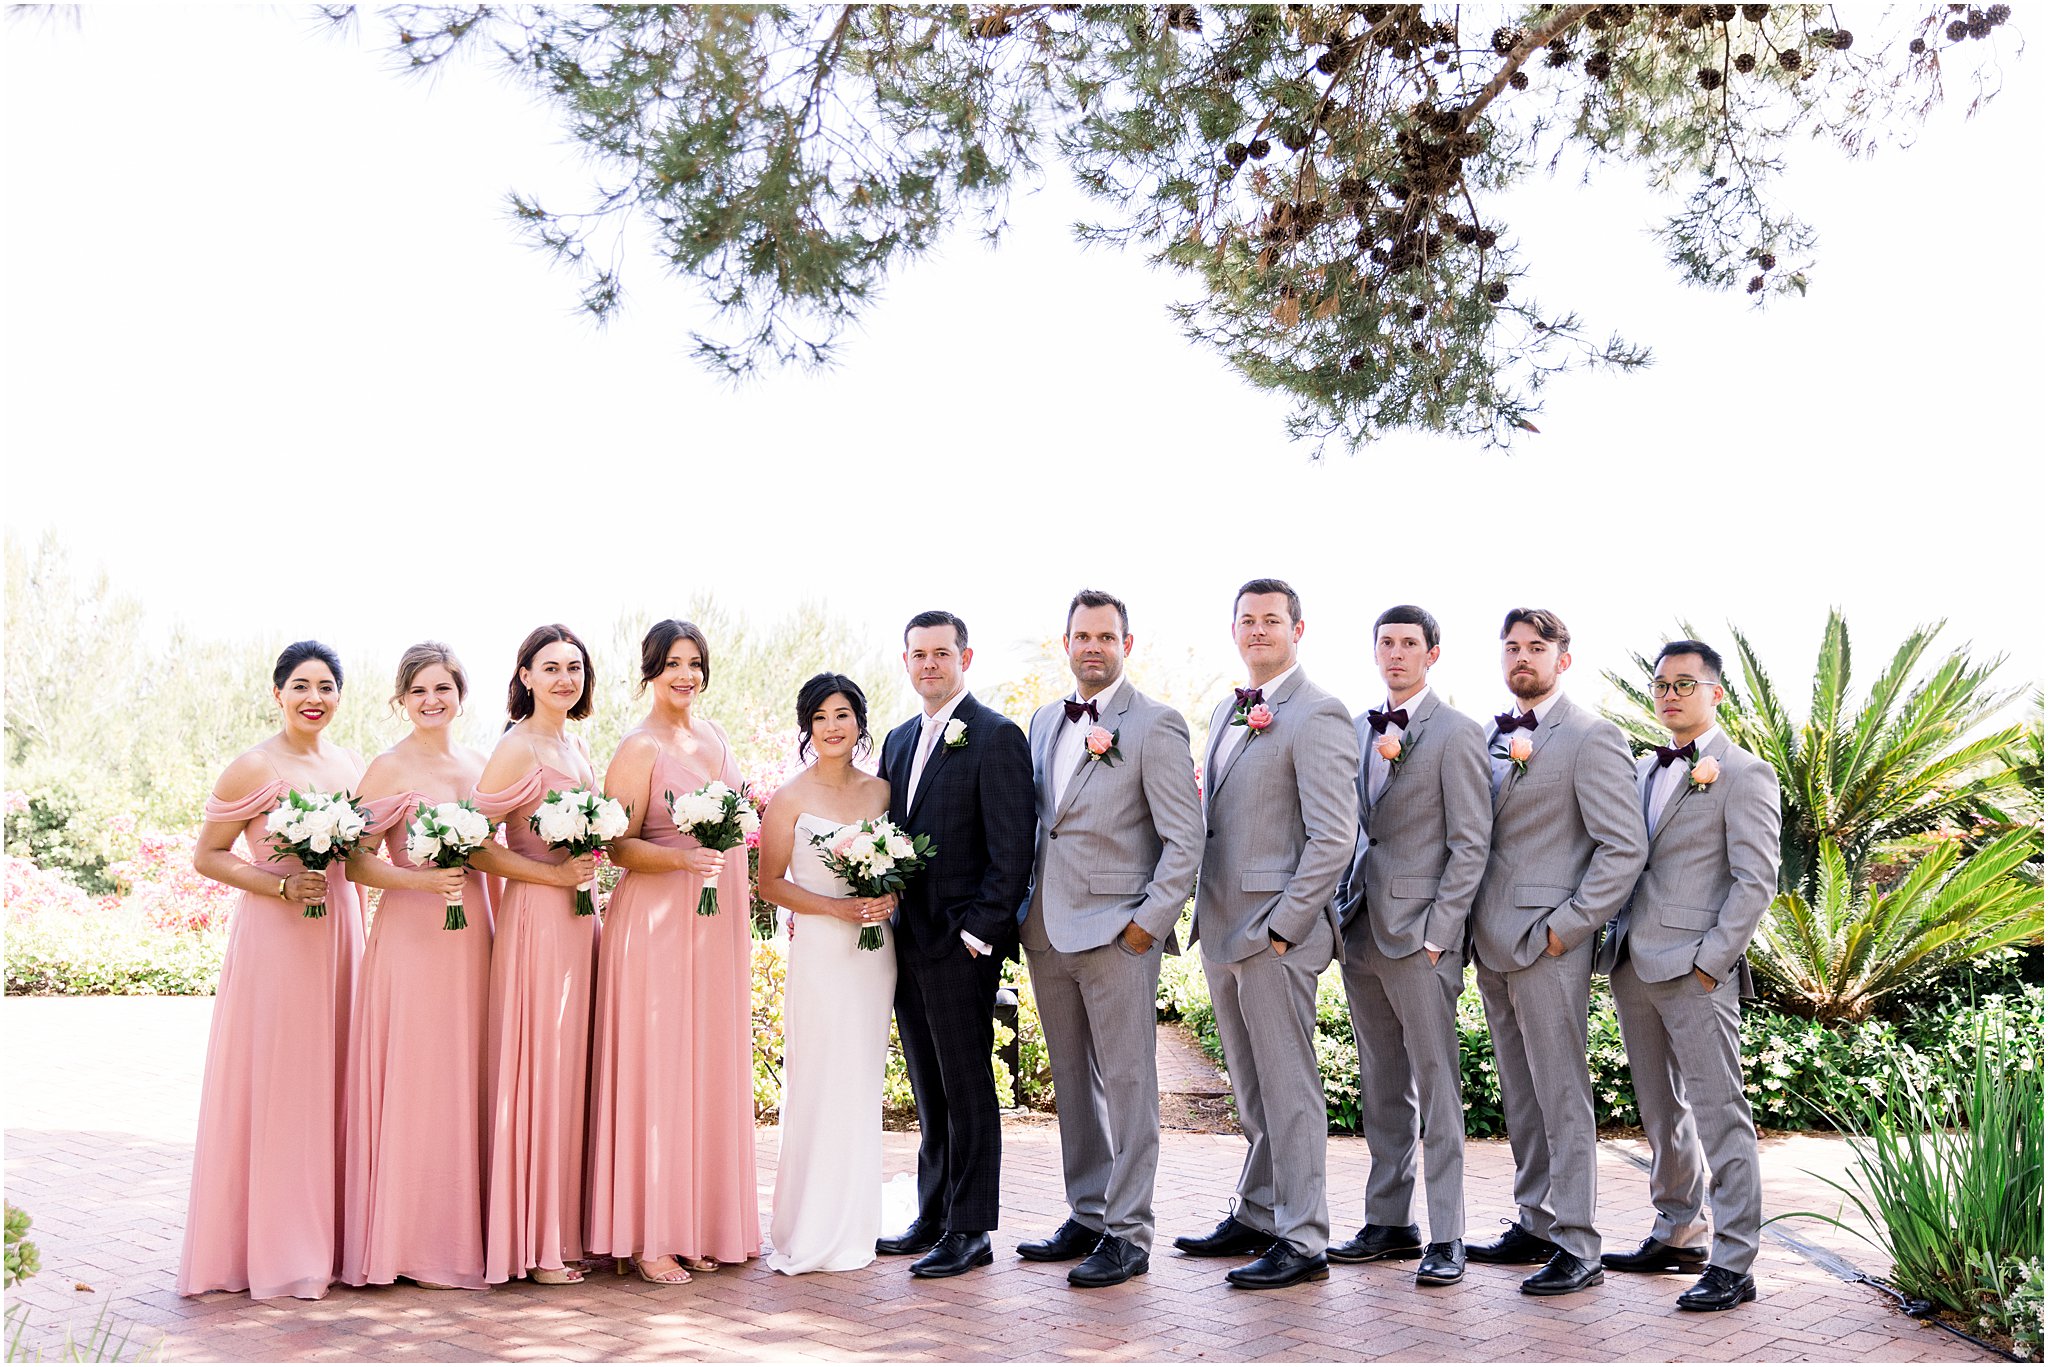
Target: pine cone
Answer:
pixel 1843 38
pixel 1487 237
pixel 1496 292
pixel 1997 14
pixel 1258 149
pixel 1957 30
pixel 1745 62
pixel 1505 39
pixel 1756 14
pixel 1293 139
pixel 1519 80
pixel 1724 12
pixel 1917 46
pixel 1184 17
pixel 1467 234
pixel 1600 65
pixel 1416 313
pixel 1756 284
pixel 1766 259
pixel 1558 55
pixel 1789 59
pixel 1709 78
pixel 1357 362
pixel 1235 153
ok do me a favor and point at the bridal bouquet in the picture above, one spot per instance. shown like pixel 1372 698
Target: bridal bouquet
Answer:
pixel 444 835
pixel 720 818
pixel 579 821
pixel 316 829
pixel 874 859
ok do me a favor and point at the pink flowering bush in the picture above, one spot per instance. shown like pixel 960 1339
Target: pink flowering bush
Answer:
pixel 170 894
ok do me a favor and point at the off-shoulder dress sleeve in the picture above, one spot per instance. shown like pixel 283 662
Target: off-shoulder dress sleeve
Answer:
pixel 497 806
pixel 250 807
pixel 386 812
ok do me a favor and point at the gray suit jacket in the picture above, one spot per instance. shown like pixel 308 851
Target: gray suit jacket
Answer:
pixel 1422 847
pixel 1126 839
pixel 1281 819
pixel 1713 869
pixel 1568 841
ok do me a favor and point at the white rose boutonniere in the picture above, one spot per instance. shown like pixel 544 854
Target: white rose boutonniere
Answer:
pixel 954 737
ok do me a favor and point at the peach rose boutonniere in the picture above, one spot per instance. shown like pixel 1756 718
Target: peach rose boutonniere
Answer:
pixel 1517 751
pixel 1395 748
pixel 1099 746
pixel 1705 770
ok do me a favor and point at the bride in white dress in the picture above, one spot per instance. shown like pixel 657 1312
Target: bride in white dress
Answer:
pixel 836 998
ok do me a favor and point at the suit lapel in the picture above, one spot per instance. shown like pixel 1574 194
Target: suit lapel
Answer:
pixel 1111 722
pixel 1217 724
pixel 1273 704
pixel 1558 711
pixel 964 714
pixel 1714 748
pixel 1042 747
pixel 1410 734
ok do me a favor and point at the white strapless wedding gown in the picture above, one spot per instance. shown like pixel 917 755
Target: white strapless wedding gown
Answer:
pixel 835 1031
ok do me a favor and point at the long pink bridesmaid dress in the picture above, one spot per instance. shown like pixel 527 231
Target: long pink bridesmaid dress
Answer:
pixel 266 1174
pixel 538 1052
pixel 672 1091
pixel 412 1196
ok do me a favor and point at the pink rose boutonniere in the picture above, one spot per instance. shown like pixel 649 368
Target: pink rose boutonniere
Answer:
pixel 1100 745
pixel 1705 770
pixel 1254 719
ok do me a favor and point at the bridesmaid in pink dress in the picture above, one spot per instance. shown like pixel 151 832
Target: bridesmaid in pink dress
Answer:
pixel 265 1169
pixel 672 1091
pixel 412 1194
pixel 538 1045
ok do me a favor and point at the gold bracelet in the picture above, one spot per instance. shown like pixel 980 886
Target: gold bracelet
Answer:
pixel 280 889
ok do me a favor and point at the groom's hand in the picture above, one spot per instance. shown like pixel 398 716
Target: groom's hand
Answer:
pixel 1280 946
pixel 1137 939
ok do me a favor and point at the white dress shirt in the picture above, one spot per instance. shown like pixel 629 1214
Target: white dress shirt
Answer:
pixel 934 726
pixel 1664 782
pixel 1234 736
pixel 1071 742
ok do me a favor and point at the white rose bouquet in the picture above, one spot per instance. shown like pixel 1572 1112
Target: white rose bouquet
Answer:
pixel 317 829
pixel 444 835
pixel 579 821
pixel 721 819
pixel 875 859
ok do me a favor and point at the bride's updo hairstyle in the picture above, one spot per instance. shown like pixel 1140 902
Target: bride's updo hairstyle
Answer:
pixel 297 653
pixel 660 639
pixel 813 695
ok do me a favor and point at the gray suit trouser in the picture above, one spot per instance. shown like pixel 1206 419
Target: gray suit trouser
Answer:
pixel 1404 1016
pixel 1537 1016
pixel 1099 1010
pixel 1266 1015
pixel 1683 1057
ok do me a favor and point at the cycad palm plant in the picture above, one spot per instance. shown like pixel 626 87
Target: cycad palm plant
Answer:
pixel 1911 758
pixel 1842 952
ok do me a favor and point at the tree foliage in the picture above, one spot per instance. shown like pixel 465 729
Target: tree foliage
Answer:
pixel 1332 179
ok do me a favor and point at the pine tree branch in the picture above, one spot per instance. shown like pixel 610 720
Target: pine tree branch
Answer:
pixel 1521 53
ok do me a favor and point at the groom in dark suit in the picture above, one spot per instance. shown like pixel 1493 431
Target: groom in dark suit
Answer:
pixel 961 774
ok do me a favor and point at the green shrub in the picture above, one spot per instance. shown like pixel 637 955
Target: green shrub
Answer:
pixel 48 828
pixel 23 1261
pixel 1958 1210
pixel 110 953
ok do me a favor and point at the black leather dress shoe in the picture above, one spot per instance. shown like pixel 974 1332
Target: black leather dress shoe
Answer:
pixel 1442 1263
pixel 1719 1289
pixel 1375 1242
pixel 955 1253
pixel 1562 1275
pixel 1113 1261
pixel 1656 1257
pixel 1518 1245
pixel 1071 1240
pixel 1228 1240
pixel 1282 1264
pixel 919 1238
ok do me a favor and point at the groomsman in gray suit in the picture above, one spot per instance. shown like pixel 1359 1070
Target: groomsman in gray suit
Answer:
pixel 1281 809
pixel 1568 843
pixel 1424 820
pixel 1675 956
pixel 1119 839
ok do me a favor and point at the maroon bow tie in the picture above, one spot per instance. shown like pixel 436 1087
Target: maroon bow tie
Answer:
pixel 1511 721
pixel 1380 721
pixel 1687 752
pixel 1250 697
pixel 1078 710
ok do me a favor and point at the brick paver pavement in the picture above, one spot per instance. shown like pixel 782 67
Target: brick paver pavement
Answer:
pixel 101 1096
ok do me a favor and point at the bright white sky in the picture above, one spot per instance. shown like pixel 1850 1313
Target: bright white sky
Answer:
pixel 276 361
